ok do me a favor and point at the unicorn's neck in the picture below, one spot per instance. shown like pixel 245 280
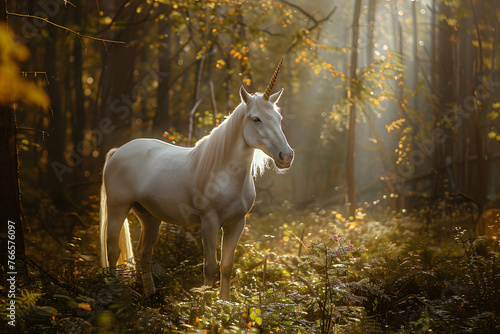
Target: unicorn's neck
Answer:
pixel 224 149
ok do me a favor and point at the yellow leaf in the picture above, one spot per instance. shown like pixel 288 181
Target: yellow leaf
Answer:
pixel 493 115
pixel 13 87
pixel 395 125
pixel 492 134
pixel 85 306
pixel 220 63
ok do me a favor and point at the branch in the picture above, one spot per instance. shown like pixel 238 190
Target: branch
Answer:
pixel 309 16
pixel 326 18
pixel 113 20
pixel 65 286
pixel 270 33
pixel 65 28
pixel 214 103
pixel 412 125
pixel 191 121
pixel 309 286
pixel 181 48
pixel 25 128
pixel 182 73
pixel 314 26
pixel 300 10
pixel 128 24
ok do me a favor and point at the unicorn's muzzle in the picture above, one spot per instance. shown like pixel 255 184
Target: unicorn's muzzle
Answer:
pixel 284 159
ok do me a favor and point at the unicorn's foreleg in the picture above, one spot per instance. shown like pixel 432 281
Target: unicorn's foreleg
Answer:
pixel 230 237
pixel 150 230
pixel 209 232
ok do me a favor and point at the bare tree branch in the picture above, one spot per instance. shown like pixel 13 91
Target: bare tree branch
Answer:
pixel 312 18
pixel 80 35
pixel 300 9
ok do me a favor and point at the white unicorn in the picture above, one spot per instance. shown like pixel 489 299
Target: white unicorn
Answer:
pixel 211 184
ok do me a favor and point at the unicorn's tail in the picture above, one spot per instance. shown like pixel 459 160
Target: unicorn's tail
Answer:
pixel 126 253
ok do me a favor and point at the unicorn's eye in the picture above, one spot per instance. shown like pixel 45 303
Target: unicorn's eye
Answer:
pixel 256 119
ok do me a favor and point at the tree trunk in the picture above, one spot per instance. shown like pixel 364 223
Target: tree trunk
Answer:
pixel 435 88
pixel 483 163
pixel 60 169
pixel 78 115
pixel 414 74
pixel 162 117
pixel 11 217
pixel 349 161
pixel 372 5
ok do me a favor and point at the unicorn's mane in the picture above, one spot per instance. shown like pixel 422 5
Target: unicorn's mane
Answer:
pixel 213 152
pixel 260 163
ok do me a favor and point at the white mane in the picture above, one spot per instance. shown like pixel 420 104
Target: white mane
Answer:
pixel 212 152
pixel 260 162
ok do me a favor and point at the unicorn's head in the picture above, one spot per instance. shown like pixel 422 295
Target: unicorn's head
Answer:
pixel 262 124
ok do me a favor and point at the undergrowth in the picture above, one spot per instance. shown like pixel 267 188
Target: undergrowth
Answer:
pixel 295 272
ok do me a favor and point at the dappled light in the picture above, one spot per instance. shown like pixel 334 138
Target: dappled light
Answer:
pixel 269 166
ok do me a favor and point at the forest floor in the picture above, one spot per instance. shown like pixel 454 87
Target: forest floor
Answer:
pixel 296 271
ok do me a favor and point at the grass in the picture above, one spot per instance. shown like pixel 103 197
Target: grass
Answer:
pixel 309 271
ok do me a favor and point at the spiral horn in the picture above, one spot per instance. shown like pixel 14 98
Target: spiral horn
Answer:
pixel 273 80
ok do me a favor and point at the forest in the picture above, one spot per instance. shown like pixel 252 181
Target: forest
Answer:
pixel 387 221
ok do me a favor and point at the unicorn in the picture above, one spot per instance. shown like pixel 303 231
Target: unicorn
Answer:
pixel 209 185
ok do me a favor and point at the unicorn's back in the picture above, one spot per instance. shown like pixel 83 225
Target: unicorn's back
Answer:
pixel 141 166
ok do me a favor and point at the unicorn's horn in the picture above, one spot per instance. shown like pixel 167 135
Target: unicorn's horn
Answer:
pixel 273 80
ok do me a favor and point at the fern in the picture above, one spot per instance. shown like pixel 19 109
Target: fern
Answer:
pixel 397 124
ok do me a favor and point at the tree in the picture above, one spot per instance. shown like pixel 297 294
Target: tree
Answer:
pixel 9 175
pixel 349 161
pixel 11 216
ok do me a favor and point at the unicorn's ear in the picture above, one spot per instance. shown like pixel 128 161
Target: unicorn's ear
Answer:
pixel 244 95
pixel 276 96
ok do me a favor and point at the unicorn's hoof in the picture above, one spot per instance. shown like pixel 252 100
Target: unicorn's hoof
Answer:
pixel 148 283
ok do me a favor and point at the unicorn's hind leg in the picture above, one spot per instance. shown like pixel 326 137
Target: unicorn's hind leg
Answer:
pixel 150 230
pixel 116 216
